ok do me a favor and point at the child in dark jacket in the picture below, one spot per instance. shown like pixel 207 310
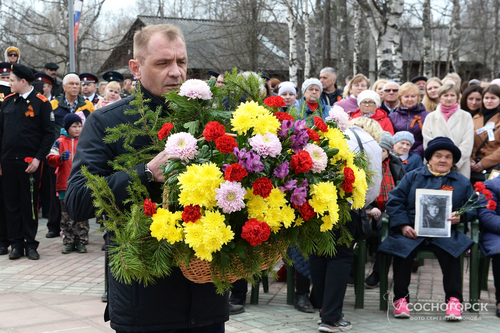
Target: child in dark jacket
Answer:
pixel 75 234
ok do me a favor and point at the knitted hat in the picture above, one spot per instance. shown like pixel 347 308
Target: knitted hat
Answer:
pixel 310 82
pixel 442 143
pixel 369 94
pixel 70 119
pixel 496 81
pixel 287 86
pixel 386 142
pixel 404 135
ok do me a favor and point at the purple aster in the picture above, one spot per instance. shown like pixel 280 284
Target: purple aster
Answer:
pixel 299 140
pixel 281 170
pixel 299 126
pixel 285 126
pixel 299 196
pixel 290 184
pixel 253 163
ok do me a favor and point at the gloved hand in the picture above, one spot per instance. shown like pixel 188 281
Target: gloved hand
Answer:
pixel 64 155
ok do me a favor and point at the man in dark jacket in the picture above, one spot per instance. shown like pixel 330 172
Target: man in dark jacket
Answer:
pixel 173 303
pixel 51 70
pixel 328 78
pixel 25 132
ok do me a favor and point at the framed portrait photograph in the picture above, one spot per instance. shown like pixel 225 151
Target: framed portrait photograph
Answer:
pixel 432 208
pixel 494 174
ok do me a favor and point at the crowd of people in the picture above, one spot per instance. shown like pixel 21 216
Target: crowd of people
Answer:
pixel 428 133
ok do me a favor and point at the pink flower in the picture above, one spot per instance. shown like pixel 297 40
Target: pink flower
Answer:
pixel 195 89
pixel 266 145
pixel 318 157
pixel 182 145
pixel 230 197
pixel 338 115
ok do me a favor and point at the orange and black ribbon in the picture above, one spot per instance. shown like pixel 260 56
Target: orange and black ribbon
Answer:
pixel 417 119
pixel 30 112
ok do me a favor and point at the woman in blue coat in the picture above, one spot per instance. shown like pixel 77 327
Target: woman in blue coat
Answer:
pixel 489 238
pixel 403 242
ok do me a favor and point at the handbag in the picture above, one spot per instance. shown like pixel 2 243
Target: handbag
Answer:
pixel 361 225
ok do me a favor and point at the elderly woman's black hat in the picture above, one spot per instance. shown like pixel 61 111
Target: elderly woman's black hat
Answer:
pixel 442 143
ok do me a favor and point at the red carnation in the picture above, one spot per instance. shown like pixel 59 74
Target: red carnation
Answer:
pixel 262 187
pixel 319 123
pixel 213 130
pixel 479 187
pixel 165 130
pixel 487 194
pixel 301 162
pixel 312 134
pixel 235 173
pixel 275 101
pixel 149 207
pixel 349 179
pixel 28 159
pixel 225 144
pixel 282 116
pixel 255 232
pixel 306 210
pixel 492 205
pixel 191 213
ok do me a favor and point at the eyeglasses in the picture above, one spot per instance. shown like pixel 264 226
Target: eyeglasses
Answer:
pixel 360 86
pixel 12 54
pixel 391 90
pixel 370 103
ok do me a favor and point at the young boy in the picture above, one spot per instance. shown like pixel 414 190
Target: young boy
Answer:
pixel 403 141
pixel 76 234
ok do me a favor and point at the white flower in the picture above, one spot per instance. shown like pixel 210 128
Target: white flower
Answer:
pixel 196 89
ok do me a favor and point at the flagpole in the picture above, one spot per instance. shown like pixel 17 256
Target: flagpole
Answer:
pixel 71 37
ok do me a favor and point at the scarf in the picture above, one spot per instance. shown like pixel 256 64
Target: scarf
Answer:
pixel 386 186
pixel 488 114
pixel 437 174
pixel 447 111
pixel 312 106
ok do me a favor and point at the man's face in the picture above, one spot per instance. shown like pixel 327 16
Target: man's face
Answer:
pixel 433 210
pixel 13 56
pixel 5 78
pixel 46 89
pixel 127 85
pixel 421 86
pixel 220 81
pixel 88 88
pixel 327 80
pixel 51 72
pixel 391 90
pixel 164 65
pixel 72 87
pixel 16 85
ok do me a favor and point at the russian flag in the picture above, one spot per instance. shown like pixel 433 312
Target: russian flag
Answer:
pixel 76 16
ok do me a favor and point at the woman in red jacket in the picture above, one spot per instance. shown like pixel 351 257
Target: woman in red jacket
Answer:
pixel 369 103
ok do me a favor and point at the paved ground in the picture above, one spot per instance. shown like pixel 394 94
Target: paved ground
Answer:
pixel 61 293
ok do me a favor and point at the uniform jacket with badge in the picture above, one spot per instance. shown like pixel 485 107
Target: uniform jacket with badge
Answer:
pixel 489 221
pixel 65 142
pixel 61 108
pixel 490 151
pixel 412 121
pixel 172 302
pixel 459 128
pixel 25 127
pixel 401 210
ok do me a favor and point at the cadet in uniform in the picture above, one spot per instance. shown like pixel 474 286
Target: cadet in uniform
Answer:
pixel 26 131
pixel 89 86
pixel 4 91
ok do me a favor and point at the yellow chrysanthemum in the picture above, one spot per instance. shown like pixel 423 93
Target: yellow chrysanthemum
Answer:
pixel 360 187
pixel 322 195
pixel 299 221
pixel 287 215
pixel 196 192
pixel 166 225
pixel 273 209
pixel 251 114
pixel 337 140
pixel 276 198
pixel 208 234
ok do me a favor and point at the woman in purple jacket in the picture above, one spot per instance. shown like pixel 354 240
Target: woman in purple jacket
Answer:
pixel 358 84
pixel 410 115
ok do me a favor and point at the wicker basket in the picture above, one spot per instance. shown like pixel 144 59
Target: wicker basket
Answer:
pixel 199 271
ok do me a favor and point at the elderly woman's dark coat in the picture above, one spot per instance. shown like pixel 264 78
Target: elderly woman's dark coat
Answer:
pixel 401 210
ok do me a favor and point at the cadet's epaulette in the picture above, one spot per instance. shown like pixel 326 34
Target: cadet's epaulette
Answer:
pixel 9 96
pixel 43 98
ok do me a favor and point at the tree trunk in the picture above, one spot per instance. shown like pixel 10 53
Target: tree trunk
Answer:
pixel 292 32
pixel 253 36
pixel 342 41
pixel 494 59
pixel 327 39
pixel 356 56
pixel 427 40
pixel 456 32
pixel 307 50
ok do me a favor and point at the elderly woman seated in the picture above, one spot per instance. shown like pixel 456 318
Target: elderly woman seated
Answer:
pixel 403 243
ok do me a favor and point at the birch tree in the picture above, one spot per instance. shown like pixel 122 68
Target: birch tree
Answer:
pixel 494 59
pixel 342 41
pixel 293 62
pixel 307 48
pixel 427 39
pixel 356 56
pixel 383 18
pixel 454 38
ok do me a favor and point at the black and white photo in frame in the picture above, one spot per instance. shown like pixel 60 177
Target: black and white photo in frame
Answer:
pixel 433 207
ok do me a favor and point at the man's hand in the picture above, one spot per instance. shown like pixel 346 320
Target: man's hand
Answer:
pixel 476 167
pixel 154 165
pixel 33 166
pixel 409 232
pixel 454 218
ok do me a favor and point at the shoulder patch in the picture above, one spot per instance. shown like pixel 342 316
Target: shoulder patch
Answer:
pixel 54 103
pixel 43 98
